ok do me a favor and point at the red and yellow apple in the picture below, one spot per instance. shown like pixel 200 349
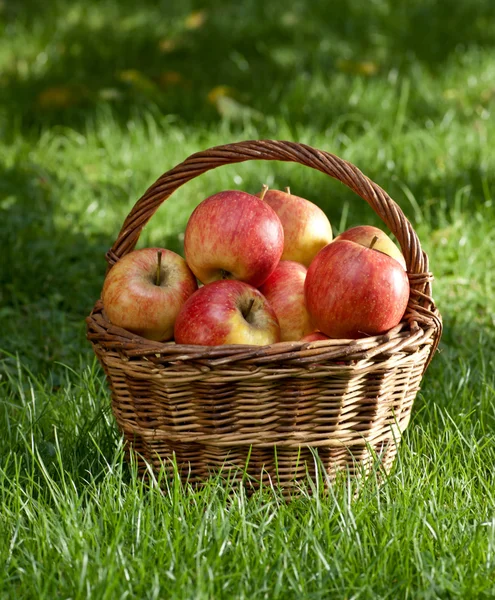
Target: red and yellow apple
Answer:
pixel 227 312
pixel 144 291
pixel 233 235
pixel 306 227
pixel 314 336
pixel 364 234
pixel 284 290
pixel 352 291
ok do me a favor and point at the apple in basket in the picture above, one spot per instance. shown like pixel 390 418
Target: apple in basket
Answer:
pixel 227 312
pixel 314 336
pixel 306 227
pixel 144 291
pixel 233 235
pixel 364 234
pixel 284 290
pixel 353 291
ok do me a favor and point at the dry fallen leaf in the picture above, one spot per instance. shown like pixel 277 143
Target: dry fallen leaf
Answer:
pixel 218 92
pixel 167 45
pixel 58 97
pixel 137 80
pixel 365 67
pixel 196 19
pixel 168 78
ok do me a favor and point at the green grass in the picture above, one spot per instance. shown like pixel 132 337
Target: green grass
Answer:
pixel 87 122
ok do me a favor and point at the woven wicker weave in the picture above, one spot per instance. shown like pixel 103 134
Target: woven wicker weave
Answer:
pixel 207 408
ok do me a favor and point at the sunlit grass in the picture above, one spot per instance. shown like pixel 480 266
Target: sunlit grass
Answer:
pixel 79 522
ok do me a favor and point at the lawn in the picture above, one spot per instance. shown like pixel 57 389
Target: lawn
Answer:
pixel 99 98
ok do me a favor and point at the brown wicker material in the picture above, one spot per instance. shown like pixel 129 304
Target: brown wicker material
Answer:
pixel 270 407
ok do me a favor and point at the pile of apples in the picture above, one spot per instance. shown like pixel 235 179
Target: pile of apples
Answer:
pixel 268 271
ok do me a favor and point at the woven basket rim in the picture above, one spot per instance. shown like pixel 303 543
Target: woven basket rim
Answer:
pixel 133 346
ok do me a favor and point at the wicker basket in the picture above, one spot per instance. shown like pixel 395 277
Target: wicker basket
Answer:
pixel 261 412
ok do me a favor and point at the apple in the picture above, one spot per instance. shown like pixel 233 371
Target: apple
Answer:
pixel 144 291
pixel 352 291
pixel 284 290
pixel 315 336
pixel 364 234
pixel 227 312
pixel 306 227
pixel 233 235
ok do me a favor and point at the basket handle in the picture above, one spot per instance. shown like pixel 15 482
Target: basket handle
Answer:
pixel 347 173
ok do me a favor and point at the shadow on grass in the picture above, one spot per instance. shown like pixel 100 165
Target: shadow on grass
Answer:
pixel 52 268
pixel 85 54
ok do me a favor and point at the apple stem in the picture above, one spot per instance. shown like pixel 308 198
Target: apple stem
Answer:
pixel 159 268
pixel 264 190
pixel 373 241
pixel 225 274
pixel 287 190
pixel 250 306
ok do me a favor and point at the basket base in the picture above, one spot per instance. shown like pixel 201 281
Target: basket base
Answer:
pixel 287 469
pixel 276 415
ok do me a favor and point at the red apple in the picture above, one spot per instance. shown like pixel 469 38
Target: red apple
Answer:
pixel 364 234
pixel 315 336
pixel 284 290
pixel 353 291
pixel 233 235
pixel 144 291
pixel 227 312
pixel 306 227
